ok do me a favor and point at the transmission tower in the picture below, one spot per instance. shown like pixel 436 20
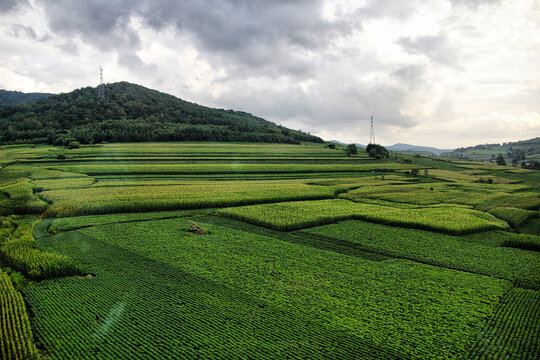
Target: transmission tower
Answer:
pixel 101 86
pixel 372 133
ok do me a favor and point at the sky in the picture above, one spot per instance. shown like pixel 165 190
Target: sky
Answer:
pixel 442 73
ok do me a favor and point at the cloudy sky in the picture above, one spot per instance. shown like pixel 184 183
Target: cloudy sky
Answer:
pixel 442 73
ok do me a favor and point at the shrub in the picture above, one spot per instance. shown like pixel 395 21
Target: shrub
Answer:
pixel 74 145
pixel 68 140
pixel 58 142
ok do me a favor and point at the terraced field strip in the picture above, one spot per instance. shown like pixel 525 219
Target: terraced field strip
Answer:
pixel 514 216
pixel 196 195
pixel 180 159
pixel 16 341
pixel 197 149
pixel 480 196
pixel 466 253
pixel 302 214
pixel 513 332
pixel 453 176
pixel 142 169
pixel 58 225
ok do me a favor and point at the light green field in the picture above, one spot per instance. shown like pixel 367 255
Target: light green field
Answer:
pixel 265 251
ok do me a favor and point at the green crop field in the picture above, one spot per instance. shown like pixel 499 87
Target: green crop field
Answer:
pixel 264 251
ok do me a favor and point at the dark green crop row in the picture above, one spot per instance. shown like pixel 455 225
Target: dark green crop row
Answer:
pixel 512 334
pixel 16 342
pixel 523 241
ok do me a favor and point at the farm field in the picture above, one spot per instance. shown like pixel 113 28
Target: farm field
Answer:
pixel 264 251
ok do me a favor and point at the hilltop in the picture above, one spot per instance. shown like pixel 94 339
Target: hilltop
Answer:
pixel 131 112
pixel 17 97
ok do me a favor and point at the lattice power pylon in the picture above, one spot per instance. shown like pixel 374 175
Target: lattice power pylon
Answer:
pixel 372 133
pixel 101 86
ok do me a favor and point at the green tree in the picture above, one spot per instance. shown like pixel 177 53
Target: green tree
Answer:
pixel 377 151
pixel 500 160
pixel 352 150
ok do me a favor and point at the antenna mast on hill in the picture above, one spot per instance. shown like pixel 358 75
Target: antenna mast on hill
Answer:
pixel 372 133
pixel 101 86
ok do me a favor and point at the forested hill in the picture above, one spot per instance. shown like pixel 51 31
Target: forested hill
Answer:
pixel 129 113
pixel 17 97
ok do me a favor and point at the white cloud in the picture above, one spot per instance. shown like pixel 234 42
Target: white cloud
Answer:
pixel 440 73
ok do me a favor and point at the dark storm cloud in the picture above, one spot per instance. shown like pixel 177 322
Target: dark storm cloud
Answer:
pixel 10 5
pixel 265 36
pixel 100 23
pixel 437 48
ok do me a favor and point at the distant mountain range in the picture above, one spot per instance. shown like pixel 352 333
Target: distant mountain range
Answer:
pixel 16 97
pixel 416 148
pixel 400 147
pixel 128 113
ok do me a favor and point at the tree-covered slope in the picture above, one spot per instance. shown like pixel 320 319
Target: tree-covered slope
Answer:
pixel 17 97
pixel 523 150
pixel 130 112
